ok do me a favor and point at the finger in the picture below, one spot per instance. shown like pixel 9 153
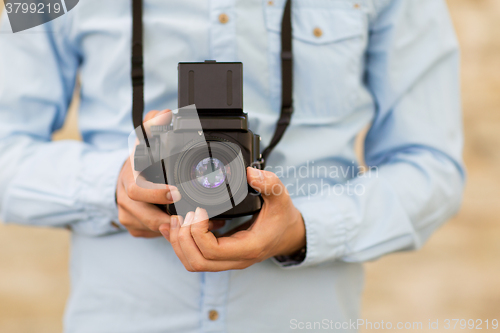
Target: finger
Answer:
pixel 200 231
pixel 157 118
pixel 142 190
pixel 150 115
pixel 140 233
pixel 213 225
pixel 165 230
pixel 128 220
pixel 197 262
pixel 267 184
pixel 242 246
pixel 146 122
pixel 276 200
pixel 140 215
pixel 135 227
pixel 216 224
pixel 161 194
pixel 149 215
pixel 175 223
pixel 188 247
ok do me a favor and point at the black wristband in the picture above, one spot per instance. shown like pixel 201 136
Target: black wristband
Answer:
pixel 295 258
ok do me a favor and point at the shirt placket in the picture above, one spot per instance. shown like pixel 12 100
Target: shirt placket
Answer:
pixel 223 30
pixel 222 48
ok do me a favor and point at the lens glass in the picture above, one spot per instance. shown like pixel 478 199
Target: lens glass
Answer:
pixel 210 172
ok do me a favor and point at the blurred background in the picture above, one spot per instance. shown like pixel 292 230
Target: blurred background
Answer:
pixel 455 275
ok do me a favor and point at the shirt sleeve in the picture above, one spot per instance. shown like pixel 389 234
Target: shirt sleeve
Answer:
pixel 44 183
pixel 413 149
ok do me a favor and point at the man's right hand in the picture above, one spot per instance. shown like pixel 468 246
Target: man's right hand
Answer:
pixel 136 209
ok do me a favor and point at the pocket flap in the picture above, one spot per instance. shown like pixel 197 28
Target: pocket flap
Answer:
pixel 319 25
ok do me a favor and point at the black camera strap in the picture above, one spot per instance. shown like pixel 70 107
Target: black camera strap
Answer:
pixel 137 70
pixel 137 75
pixel 286 80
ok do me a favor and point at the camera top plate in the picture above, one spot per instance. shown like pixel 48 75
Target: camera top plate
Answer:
pixel 214 87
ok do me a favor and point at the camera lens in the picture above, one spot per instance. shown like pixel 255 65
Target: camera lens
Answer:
pixel 210 172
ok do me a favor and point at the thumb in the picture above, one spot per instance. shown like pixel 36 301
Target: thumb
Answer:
pixel 266 183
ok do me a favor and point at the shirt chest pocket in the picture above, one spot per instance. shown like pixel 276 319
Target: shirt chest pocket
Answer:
pixel 329 42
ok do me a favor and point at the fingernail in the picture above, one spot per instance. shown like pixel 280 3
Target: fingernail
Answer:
pixel 189 219
pixel 173 195
pixel 174 222
pixel 200 215
pixel 197 215
pixel 256 173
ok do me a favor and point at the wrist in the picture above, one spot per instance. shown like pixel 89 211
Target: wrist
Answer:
pixel 297 238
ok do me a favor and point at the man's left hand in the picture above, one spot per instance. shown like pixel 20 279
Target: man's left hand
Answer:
pixel 278 230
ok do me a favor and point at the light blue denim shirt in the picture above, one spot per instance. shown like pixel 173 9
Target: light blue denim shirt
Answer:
pixel 389 63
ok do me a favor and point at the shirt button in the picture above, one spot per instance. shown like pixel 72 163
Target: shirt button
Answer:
pixel 213 315
pixel 223 18
pixel 270 3
pixel 317 32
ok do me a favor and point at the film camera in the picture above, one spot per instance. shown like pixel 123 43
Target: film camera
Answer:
pixel 205 150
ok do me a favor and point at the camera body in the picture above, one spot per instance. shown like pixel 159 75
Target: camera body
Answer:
pixel 205 151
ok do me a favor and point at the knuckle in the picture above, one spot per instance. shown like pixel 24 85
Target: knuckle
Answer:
pixel 147 221
pixel 157 223
pixel 125 222
pixel 210 255
pixel 132 191
pixel 196 231
pixel 120 197
pixel 182 237
pixel 135 233
pixel 152 223
pixel 197 266
pixel 119 200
